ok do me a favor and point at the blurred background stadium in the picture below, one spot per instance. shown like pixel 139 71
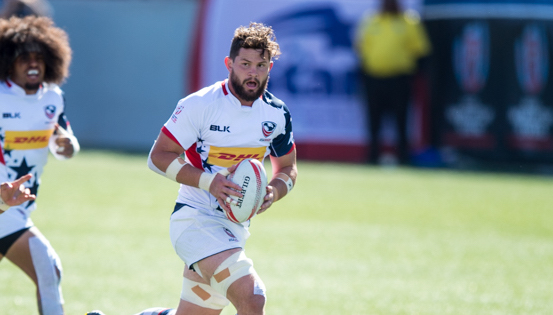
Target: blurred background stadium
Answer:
pixel 484 99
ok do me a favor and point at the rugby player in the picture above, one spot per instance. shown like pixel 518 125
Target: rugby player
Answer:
pixel 209 132
pixel 34 59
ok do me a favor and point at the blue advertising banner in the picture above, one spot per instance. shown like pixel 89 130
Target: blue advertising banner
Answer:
pixel 492 89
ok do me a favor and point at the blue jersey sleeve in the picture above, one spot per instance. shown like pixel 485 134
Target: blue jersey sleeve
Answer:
pixel 62 118
pixel 284 143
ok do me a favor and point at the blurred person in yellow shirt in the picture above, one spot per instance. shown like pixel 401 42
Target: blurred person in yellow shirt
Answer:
pixel 390 44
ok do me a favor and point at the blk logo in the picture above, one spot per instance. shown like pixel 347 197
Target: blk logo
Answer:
pixel 11 115
pixel 219 128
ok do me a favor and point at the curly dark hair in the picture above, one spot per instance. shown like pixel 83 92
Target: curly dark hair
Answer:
pixel 255 36
pixel 35 34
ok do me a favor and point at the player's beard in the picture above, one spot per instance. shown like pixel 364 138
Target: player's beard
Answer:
pixel 32 87
pixel 241 91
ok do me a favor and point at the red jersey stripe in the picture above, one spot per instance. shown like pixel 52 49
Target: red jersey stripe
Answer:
pixel 292 148
pixel 194 158
pixel 2 161
pixel 170 135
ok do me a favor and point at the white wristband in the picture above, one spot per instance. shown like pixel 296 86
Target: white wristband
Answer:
pixel 287 180
pixel 3 205
pixel 206 179
pixel 174 168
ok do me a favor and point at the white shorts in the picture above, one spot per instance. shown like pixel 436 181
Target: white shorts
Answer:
pixel 197 234
pixel 13 220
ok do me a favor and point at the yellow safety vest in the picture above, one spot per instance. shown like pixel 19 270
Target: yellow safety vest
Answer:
pixel 390 45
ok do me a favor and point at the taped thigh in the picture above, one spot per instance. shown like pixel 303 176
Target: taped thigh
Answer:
pixel 202 295
pixel 233 268
pixel 47 266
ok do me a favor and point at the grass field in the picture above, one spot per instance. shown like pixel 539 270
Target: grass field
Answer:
pixel 350 239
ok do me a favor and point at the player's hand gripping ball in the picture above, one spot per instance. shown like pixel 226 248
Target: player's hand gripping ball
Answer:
pixel 250 175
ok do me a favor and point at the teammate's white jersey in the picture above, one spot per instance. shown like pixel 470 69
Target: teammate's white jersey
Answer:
pixel 26 124
pixel 217 132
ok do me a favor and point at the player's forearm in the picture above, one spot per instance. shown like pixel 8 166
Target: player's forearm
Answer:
pixel 179 171
pixel 283 181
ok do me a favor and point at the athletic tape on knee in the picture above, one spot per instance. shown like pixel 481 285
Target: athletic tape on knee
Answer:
pixel 202 295
pixel 230 270
pixel 47 264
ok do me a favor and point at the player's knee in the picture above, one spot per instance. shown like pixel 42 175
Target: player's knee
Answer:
pixel 254 304
pixel 230 270
pixel 246 299
pixel 236 279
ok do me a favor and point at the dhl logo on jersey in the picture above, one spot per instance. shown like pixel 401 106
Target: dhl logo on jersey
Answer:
pixel 227 157
pixel 27 140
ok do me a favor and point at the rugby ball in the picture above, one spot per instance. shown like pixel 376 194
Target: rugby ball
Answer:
pixel 250 175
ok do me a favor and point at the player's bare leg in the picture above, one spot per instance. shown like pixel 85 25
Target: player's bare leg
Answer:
pixel 20 254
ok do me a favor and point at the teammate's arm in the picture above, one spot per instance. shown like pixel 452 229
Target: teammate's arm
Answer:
pixel 63 144
pixel 165 151
pixel 285 172
pixel 14 193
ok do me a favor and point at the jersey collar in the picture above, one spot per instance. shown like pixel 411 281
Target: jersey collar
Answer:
pixel 19 91
pixel 234 100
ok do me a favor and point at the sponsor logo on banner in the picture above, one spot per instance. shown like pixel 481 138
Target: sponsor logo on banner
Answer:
pixel 26 140
pixel 228 156
pixel 532 62
pixel 470 118
pixel 50 111
pixel 531 120
pixel 471 57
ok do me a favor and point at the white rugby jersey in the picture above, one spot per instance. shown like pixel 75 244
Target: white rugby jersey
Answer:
pixel 217 132
pixel 26 124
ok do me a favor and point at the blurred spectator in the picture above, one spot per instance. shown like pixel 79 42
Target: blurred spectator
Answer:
pixel 22 8
pixel 390 44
